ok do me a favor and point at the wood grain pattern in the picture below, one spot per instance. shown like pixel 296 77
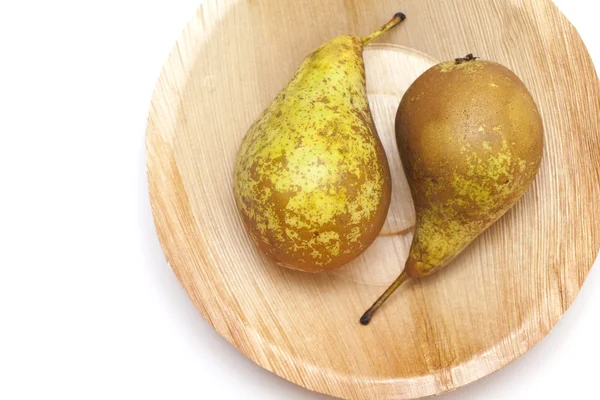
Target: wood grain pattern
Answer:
pixel 493 303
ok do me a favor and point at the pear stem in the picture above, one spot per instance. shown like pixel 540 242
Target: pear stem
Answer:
pixel 399 17
pixel 467 58
pixel 366 318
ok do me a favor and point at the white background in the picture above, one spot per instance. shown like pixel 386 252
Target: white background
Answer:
pixel 88 308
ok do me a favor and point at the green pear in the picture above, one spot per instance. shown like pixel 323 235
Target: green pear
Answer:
pixel 311 179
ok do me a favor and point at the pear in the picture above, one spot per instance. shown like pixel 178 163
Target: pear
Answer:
pixel 311 179
pixel 470 138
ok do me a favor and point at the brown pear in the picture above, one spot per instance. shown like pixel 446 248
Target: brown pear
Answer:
pixel 470 138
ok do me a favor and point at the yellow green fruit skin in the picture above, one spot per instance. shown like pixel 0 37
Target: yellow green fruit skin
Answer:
pixel 470 138
pixel 311 179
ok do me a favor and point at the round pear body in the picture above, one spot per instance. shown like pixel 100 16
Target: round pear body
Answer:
pixel 311 181
pixel 470 138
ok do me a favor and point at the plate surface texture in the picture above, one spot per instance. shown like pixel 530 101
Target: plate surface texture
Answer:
pixel 493 303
